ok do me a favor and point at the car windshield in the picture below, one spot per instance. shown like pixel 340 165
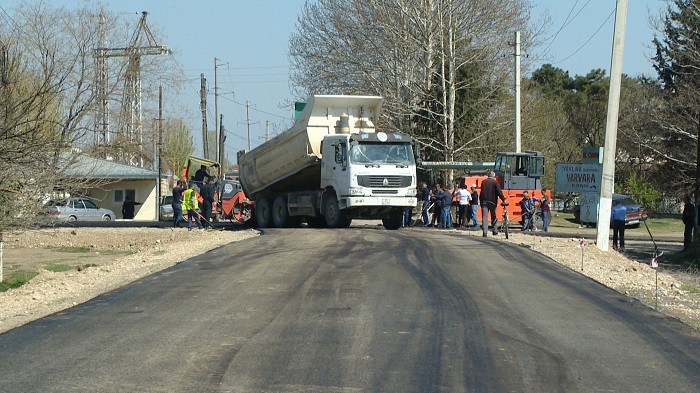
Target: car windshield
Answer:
pixel 627 201
pixel 168 200
pixel 381 153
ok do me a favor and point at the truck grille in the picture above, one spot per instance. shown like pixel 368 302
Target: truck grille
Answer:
pixel 385 192
pixel 383 181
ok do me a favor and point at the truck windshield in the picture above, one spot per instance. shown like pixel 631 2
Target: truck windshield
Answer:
pixel 381 153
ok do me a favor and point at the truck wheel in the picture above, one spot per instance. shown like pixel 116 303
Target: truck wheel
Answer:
pixel 393 220
pixel 262 212
pixel 280 215
pixel 335 218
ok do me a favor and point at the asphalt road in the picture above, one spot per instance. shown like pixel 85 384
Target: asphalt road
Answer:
pixel 360 309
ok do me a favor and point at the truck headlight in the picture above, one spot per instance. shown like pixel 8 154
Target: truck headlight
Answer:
pixel 357 191
pixel 411 192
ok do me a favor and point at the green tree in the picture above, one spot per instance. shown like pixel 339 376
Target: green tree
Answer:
pixel 177 146
pixel 677 63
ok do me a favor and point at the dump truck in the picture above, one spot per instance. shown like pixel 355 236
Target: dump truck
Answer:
pixel 330 167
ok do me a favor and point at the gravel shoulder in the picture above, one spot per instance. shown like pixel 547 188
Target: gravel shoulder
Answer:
pixel 123 255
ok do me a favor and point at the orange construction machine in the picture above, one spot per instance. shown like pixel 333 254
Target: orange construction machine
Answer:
pixel 515 173
pixel 230 202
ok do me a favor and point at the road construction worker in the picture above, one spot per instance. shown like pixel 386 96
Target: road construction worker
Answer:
pixel 191 204
pixel 207 194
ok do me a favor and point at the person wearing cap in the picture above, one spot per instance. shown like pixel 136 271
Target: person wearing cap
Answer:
pixel 490 193
pixel 474 205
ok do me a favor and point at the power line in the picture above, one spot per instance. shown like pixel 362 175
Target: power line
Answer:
pixel 255 109
pixel 236 68
pixel 566 22
pixel 588 40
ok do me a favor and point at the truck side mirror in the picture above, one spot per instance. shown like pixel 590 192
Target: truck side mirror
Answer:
pixel 417 152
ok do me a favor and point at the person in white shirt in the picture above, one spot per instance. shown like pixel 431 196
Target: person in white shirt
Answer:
pixel 464 197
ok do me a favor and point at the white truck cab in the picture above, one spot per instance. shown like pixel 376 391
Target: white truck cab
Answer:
pixel 331 166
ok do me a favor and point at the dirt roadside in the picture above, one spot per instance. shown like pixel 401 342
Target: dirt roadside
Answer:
pixel 123 255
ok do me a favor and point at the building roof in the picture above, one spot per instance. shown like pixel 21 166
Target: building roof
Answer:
pixel 84 166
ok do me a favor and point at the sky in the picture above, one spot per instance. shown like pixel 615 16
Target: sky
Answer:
pixel 250 38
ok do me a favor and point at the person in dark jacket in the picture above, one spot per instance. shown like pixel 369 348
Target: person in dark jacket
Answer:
pixel 201 174
pixel 446 203
pixel 177 202
pixel 474 205
pixel 207 194
pixel 128 208
pixel 688 222
pixel 437 206
pixel 490 192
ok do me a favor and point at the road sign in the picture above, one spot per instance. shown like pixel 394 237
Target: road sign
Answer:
pixel 578 177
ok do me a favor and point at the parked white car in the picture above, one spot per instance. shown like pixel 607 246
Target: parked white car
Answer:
pixel 81 209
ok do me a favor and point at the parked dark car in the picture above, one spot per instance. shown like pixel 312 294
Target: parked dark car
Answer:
pixel 635 212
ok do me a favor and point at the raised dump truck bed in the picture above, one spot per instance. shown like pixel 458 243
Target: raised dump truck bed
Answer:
pixel 291 161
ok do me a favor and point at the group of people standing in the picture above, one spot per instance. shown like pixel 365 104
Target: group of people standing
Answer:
pixel 439 199
pixel 185 200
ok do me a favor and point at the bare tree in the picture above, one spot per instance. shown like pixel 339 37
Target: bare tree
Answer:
pixel 426 58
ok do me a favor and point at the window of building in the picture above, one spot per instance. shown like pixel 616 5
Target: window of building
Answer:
pixel 120 195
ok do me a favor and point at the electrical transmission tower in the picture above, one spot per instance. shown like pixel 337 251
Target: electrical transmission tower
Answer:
pixel 130 130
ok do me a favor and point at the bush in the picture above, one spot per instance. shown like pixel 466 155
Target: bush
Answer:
pixel 643 192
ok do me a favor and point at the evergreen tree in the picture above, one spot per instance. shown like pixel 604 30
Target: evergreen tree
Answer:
pixel 677 63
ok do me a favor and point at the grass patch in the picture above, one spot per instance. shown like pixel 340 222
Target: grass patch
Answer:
pixel 564 220
pixel 89 265
pixel 114 252
pixel 71 249
pixel 17 279
pixel 58 267
pixel 665 224
pixel 159 252
pixel 690 288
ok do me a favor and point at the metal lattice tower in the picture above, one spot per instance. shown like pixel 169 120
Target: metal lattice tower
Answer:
pixel 141 44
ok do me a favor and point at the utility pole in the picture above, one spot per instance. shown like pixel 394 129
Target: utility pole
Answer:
pixel 608 181
pixel 222 139
pixel 516 89
pixel 203 105
pixel 247 114
pixel 216 106
pixel 159 186
pixel 267 130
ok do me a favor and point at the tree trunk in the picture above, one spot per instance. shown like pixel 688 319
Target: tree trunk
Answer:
pixel 697 181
